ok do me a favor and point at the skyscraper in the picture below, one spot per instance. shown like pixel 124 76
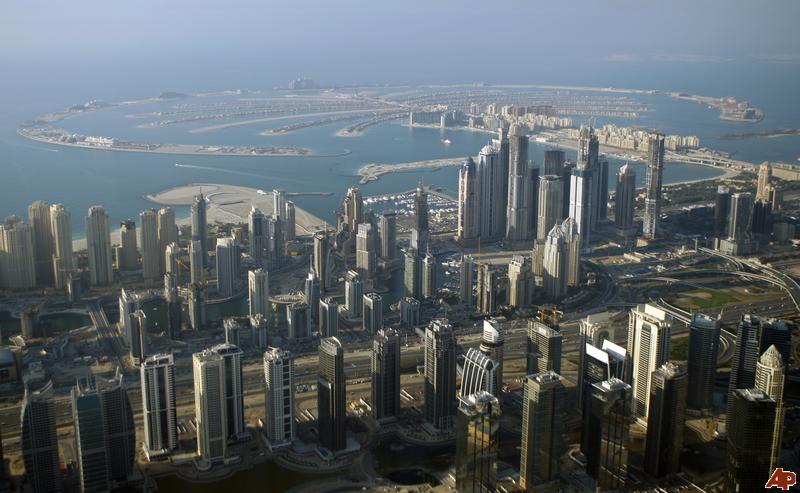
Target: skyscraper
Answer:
pixel 387 229
pixel 62 263
pixel 328 317
pixel 750 440
pixel 90 441
pixel 197 306
pixel 420 231
pixel 561 259
pixel 209 406
pixel 652 190
pixel 770 379
pixel 583 185
pixel 354 208
pixel 607 443
pixel 321 258
pixel 544 348
pixel 385 374
pixel 666 421
pixel 553 162
pixel 174 306
pixel 200 226
pixel 465 286
pixel 167 229
pixel 722 206
pixel 98 244
pixel 740 223
pixel 625 198
pixel 601 210
pixel 409 312
pixel 331 395
pixel 492 345
pixel 17 259
pixel 298 316
pixel 543 405
pixel 353 292
pixel 477 434
pixel 550 204
pixel 158 405
pixel 39 440
pixel 278 424
pixel 520 209
pixel 764 178
pixel 487 289
pixel 429 278
pixel 492 178
pixel 119 428
pixel 151 253
pixel 366 255
pixel 257 228
pixel 372 313
pixel 745 357
pixel 597 365
pixel 469 202
pixel 196 269
pixel 138 336
pixel 479 373
pixel 290 222
pixel 128 251
pixel 278 203
pixel 412 273
pixel 39 220
pixel 521 282
pixel 312 294
pixel 234 392
pixel 227 266
pixel 649 330
pixel 171 256
pixel 440 374
pixel 704 333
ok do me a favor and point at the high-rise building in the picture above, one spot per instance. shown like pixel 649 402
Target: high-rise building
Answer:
pixel 521 282
pixel 151 253
pixel 745 358
pixel 62 264
pixel 312 294
pixel 465 285
pixel 290 222
pixel 128 305
pixel 544 348
pixel 566 180
pixel 278 203
pixel 722 206
pixel 584 187
pixel 258 292
pixel 652 188
pixel 39 220
pixel 167 229
pixel 275 240
pixel 227 266
pixel 387 230
pixel 625 198
pixel 385 374
pixel 649 329
pixel 666 421
pixel 39 440
pixel 98 244
pixel 750 440
pixel 331 395
pixel 477 436
pixel 210 408
pixel 704 332
pixel 138 336
pixel 602 191
pixel 409 312
pixel 429 278
pixel 420 231
pixel 174 306
pixel 172 253
pixel 740 224
pixel 487 289
pixel 353 292
pixel 550 204
pixel 597 364
pixel 119 428
pixel 777 333
pixel 770 379
pixel 353 208
pixel 158 405
pixel 321 258
pixel 128 251
pixel 278 424
pixel 492 179
pixel 543 407
pixel 196 268
pixel 90 441
pixel 366 255
pixel 200 226
pixel 372 313
pixel 764 179
pixel 257 229
pixel 553 162
pixel 298 315
pixel 440 374
pixel 234 392
pixel 17 259
pixel 328 317
pixel 412 273
pixel 479 373
pixel 197 306
pixel 608 434
pixel 561 259
pixel 520 192
pixel 233 331
pixel 503 147
pixel 492 345
pixel 469 202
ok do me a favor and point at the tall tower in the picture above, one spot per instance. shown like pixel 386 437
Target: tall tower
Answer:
pixel 151 253
pixel 597 364
pixel 385 374
pixel 429 281
pixel 387 229
pixel 279 396
pixel 172 253
pixel 321 258
pixel 128 251
pixel 90 440
pixel 412 273
pixel 624 198
pixel 492 181
pixel 39 220
pixel 608 429
pixel 119 428
pixel 17 259
pixel 420 231
pixel 477 433
pixel 197 306
pixel 652 197
pixel 764 179
pixel 196 268
pixel 722 205
pixel 372 313
pixel 98 243
pixel 440 374
pixel 750 440
pixel 409 312
pixel 469 202
pixel 366 255
pixel 209 406
pixel 550 204
pixel 353 292
pixel 745 358
pixel 543 407
pixel 60 221
pixel 466 282
pixel 331 395
pixel 492 345
pixel 544 348
pixel 328 317
pixel 290 226
pixel 666 421
pixel 583 185
pixel 561 259
pixel 520 209
pixel 312 294
pixel 704 333
pixel 487 289
pixel 158 405
pixel 227 266
pixel 258 234
pixel 167 229
pixel 740 216
pixel 200 226
pixel 553 162
pixel 354 208
pixel 279 203
pixel 39 440
pixel 521 282
pixel 770 379
pixel 479 373
pixel 298 316
pixel 649 329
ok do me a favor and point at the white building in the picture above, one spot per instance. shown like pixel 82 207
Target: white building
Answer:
pixel 278 423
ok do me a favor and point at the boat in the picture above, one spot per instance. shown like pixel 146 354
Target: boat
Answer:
pixel 446 142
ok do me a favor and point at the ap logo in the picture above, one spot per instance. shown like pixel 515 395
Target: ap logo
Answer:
pixel 781 479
